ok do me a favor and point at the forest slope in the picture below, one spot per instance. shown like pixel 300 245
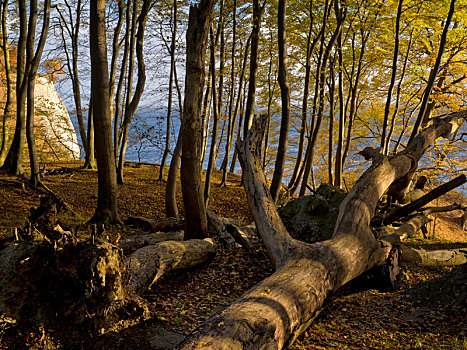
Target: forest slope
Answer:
pixel 422 314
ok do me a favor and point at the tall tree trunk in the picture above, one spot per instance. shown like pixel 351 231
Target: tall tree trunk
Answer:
pixel 271 89
pixel 231 118
pixel 285 99
pixel 383 145
pixel 106 210
pixel 196 38
pixel 353 95
pixel 121 80
pixel 14 160
pixel 310 45
pixel 9 90
pixel 340 15
pixel 332 89
pixel 116 44
pixel 169 102
pixel 250 102
pixel 71 26
pixel 421 118
pixel 235 113
pixel 133 104
pixel 307 162
pixel 32 60
pixel 242 97
pixel 398 92
pixel 171 208
pixel 340 137
pixel 215 110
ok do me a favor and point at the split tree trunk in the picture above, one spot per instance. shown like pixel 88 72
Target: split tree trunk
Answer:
pixel 274 312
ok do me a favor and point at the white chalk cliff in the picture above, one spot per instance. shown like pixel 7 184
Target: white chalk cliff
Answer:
pixel 54 129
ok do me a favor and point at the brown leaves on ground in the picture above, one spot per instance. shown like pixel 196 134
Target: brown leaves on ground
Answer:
pixel 183 300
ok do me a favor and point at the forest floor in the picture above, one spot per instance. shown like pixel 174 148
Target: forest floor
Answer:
pixel 423 314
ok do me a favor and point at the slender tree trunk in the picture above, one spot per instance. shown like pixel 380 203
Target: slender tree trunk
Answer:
pixel 106 210
pixel 133 104
pixel 116 44
pixel 236 110
pixel 242 98
pixel 421 118
pixel 332 88
pixel 398 93
pixel 9 90
pixel 71 26
pixel 196 38
pixel 14 160
pixel 250 103
pixel 340 137
pixel 121 80
pixel 231 120
pixel 271 89
pixel 310 45
pixel 169 102
pixel 285 99
pixel 353 96
pixel 90 161
pixel 307 159
pixel 340 14
pixel 32 60
pixel 212 152
pixel 384 149
pixel 171 207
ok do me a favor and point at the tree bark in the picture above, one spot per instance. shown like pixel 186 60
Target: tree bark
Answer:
pixel 285 99
pixel 196 38
pixel 106 210
pixel 275 311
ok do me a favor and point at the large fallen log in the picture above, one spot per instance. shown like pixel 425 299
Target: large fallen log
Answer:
pixel 151 225
pixel 132 243
pixel 434 258
pixel 274 312
pixel 146 265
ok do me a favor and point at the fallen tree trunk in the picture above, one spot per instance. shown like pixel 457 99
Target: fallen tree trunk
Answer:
pixel 274 312
pixel 163 225
pixel 132 243
pixel 434 258
pixel 146 265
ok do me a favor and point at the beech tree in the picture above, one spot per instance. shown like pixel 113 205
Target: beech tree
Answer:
pixel 196 41
pixel 9 88
pixel 106 210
